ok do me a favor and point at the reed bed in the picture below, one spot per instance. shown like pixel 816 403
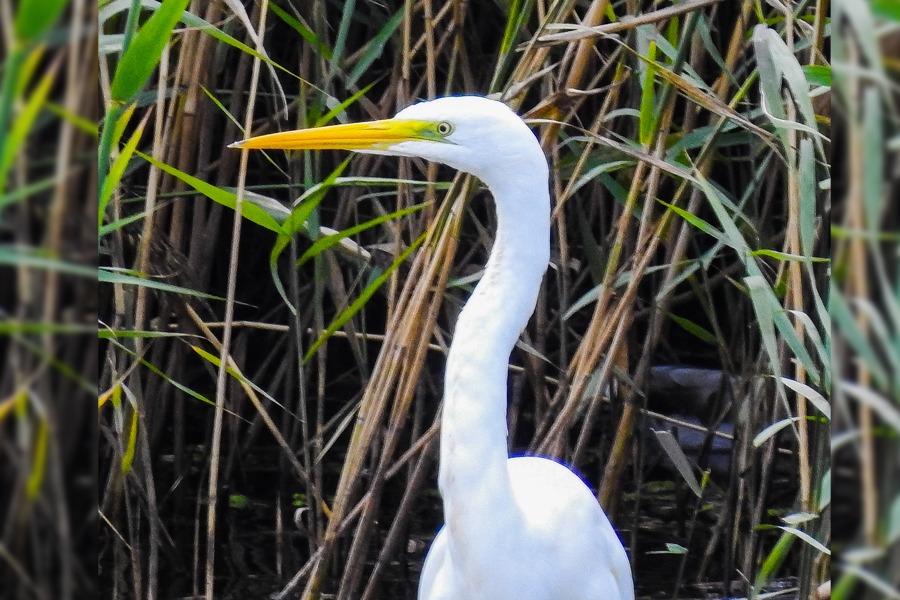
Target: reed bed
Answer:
pixel 690 150
pixel 271 384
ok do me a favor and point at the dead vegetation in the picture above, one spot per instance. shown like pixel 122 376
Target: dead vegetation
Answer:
pixel 689 229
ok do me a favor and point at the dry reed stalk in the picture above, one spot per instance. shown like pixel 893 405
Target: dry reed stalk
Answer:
pixel 224 358
pixel 399 362
pixel 858 286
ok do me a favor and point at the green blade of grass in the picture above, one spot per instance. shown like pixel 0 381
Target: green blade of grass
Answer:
pixel 778 66
pixel 594 172
pixel 215 361
pixel 850 330
pixel 873 193
pixel 23 123
pixel 340 41
pixel 514 20
pixel 807 187
pixel 119 224
pixel 105 275
pixel 774 560
pixel 38 259
pixel 106 334
pixel 249 211
pixel 701 333
pixel 770 313
pixel 760 296
pixel 114 123
pixel 647 112
pixel 211 30
pixel 695 221
pixel 820 74
pixel 38 460
pixel 130 447
pixel 374 48
pixel 363 298
pixel 330 241
pixel 85 125
pixel 117 169
pixel 121 123
pixel 342 106
pixel 12 70
pixel 822 346
pixel 222 108
pixel 159 372
pixel 673 450
pixel 191 20
pixel 41 328
pixel 24 192
pixel 35 17
pixel 131 23
pixel 786 256
pixel 296 222
pixel 305 32
pixel 143 54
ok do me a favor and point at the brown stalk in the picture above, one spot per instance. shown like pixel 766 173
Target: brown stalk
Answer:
pixel 401 358
pixel 215 446
pixel 858 287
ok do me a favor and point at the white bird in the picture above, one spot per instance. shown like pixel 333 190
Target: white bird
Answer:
pixel 523 528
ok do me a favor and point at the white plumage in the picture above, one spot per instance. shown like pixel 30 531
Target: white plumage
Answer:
pixel 523 528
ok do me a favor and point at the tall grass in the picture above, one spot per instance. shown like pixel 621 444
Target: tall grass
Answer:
pixel 286 366
pixel 865 304
pixel 48 349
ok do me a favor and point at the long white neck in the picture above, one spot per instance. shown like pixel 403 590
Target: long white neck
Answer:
pixel 474 479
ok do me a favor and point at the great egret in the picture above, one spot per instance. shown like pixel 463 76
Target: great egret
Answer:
pixel 524 528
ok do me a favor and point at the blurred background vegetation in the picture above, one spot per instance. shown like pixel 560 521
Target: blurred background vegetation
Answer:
pixel 680 357
pixel 48 300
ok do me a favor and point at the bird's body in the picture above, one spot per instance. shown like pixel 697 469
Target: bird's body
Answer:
pixel 552 541
pixel 523 528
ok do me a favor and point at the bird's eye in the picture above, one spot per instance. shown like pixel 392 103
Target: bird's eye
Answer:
pixel 444 128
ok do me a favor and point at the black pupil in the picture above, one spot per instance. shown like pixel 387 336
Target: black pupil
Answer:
pixel 444 128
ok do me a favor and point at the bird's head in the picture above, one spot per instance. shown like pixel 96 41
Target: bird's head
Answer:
pixel 469 133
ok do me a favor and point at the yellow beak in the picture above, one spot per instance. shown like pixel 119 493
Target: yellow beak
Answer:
pixel 374 135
